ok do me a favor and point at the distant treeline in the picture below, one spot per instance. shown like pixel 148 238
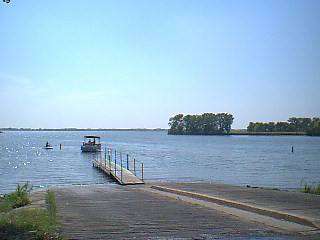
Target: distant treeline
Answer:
pixel 205 124
pixel 311 126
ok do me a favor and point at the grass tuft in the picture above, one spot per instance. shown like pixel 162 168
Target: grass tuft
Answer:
pixel 18 198
pixel 313 189
pixel 51 206
pixel 27 223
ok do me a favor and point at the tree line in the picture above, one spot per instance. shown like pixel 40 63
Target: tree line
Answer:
pixel 310 126
pixel 204 124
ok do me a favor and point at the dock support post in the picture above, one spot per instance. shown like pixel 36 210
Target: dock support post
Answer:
pixel 109 158
pixel 105 157
pixel 134 166
pixel 142 171
pixel 115 162
pixel 128 161
pixel 121 167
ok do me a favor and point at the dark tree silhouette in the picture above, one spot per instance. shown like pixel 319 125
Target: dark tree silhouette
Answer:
pixel 311 126
pixel 205 124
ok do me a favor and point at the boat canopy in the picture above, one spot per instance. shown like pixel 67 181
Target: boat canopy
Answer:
pixel 91 137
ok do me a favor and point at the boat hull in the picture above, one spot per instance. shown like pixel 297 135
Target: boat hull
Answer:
pixel 91 148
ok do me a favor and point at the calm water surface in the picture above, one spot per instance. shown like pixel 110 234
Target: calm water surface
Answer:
pixel 255 160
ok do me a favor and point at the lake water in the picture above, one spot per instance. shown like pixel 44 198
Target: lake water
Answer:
pixel 255 160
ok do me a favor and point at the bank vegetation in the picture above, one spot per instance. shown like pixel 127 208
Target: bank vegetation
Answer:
pixel 299 126
pixel 204 124
pixel 20 220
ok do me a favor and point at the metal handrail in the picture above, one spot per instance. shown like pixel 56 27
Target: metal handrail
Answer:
pixel 113 160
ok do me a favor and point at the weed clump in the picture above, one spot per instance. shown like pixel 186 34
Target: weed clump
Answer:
pixel 27 223
pixel 18 198
pixel 313 189
pixel 51 206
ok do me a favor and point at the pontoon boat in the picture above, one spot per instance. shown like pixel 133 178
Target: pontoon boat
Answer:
pixel 91 144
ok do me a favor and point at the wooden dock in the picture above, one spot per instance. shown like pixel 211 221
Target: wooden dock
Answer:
pixel 118 172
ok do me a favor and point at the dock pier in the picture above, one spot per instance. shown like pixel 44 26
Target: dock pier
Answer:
pixel 115 169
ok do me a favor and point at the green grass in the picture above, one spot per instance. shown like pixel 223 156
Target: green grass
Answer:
pixel 51 206
pixel 16 199
pixel 27 223
pixel 313 189
pixel 5 205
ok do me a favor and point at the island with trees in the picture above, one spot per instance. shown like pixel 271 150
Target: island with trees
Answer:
pixel 295 125
pixel 204 124
pixel 220 124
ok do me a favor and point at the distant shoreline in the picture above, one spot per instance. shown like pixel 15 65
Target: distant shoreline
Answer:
pixel 249 134
pixel 234 132
pixel 244 132
pixel 269 133
pixel 80 129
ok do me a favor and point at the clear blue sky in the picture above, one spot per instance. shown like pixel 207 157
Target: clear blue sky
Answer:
pixel 123 64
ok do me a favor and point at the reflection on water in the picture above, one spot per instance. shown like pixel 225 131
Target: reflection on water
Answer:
pixel 92 156
pixel 23 158
pixel 259 161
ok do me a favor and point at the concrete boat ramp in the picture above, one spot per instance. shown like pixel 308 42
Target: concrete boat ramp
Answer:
pixel 186 211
